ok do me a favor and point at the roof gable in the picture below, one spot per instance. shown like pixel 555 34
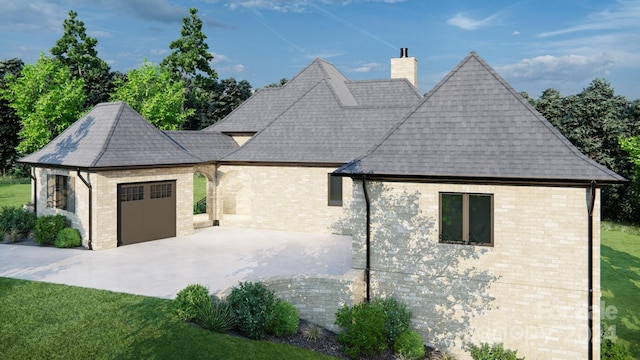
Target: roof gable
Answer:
pixel 111 135
pixel 474 125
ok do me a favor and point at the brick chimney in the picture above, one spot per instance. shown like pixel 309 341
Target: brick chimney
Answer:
pixel 405 67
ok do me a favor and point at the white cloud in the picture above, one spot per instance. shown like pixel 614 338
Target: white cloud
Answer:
pixel 224 64
pixel 569 67
pixel 365 68
pixel 515 33
pixel 624 16
pixel 158 51
pixel 294 5
pixel 99 34
pixel 26 16
pixel 466 23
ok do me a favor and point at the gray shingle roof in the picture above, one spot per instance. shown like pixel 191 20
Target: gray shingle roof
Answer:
pixel 333 121
pixel 206 145
pixel 474 125
pixel 111 135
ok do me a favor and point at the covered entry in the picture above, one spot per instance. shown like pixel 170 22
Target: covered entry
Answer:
pixel 146 211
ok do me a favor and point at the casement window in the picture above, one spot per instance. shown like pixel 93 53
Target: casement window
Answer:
pixel 466 218
pixel 335 190
pixel 60 192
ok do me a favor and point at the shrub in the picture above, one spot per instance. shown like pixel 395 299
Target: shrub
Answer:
pixel 252 304
pixel 188 299
pixel 17 222
pixel 284 319
pixel 215 315
pixel 312 332
pixel 398 320
pixel 612 350
pixel 409 345
pixel 363 329
pixel 492 352
pixel 48 227
pixel 68 238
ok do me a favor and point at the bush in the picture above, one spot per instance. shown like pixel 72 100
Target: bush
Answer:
pixel 189 299
pixel 493 352
pixel 68 238
pixel 252 304
pixel 612 350
pixel 215 315
pixel 363 329
pixel 398 319
pixel 409 345
pixel 284 319
pixel 17 222
pixel 48 227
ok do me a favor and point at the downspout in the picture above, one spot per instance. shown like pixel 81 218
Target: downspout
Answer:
pixel 35 189
pixel 90 207
pixel 367 271
pixel 592 201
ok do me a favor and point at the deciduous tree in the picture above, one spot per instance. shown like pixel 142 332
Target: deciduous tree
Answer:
pixel 46 98
pixel 152 91
pixel 9 120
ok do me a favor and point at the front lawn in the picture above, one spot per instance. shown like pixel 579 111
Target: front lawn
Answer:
pixel 14 194
pixel 46 321
pixel 620 281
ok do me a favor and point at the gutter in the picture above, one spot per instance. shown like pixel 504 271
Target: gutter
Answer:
pixel 592 201
pixel 32 175
pixel 88 184
pixel 367 271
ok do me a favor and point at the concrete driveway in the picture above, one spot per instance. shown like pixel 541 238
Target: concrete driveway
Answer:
pixel 216 257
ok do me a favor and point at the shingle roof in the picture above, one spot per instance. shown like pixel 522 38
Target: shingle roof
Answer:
pixel 206 145
pixel 333 121
pixel 474 125
pixel 111 135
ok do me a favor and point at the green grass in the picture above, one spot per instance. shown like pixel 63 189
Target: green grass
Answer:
pixel 12 194
pixel 199 187
pixel 49 321
pixel 620 280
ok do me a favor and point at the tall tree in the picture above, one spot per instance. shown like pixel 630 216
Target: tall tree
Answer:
pixel 226 95
pixel 190 54
pixel 46 98
pixel 9 120
pixel 152 91
pixel 78 51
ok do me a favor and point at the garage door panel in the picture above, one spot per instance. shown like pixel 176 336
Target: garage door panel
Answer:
pixel 146 211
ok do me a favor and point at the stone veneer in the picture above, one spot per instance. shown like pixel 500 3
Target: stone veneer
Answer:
pixel 278 198
pixel 105 205
pixel 529 291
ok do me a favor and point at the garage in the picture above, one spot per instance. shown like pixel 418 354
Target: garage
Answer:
pixel 146 211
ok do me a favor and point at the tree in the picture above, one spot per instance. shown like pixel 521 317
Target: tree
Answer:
pixel 9 120
pixel 225 96
pixel 281 83
pixel 46 98
pixel 78 51
pixel 190 54
pixel 152 91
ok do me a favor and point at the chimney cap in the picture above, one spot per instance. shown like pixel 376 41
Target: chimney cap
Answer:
pixel 404 52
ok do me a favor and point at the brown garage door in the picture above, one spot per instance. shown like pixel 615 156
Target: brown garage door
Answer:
pixel 146 211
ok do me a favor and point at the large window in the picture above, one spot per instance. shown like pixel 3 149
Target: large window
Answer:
pixel 335 190
pixel 466 218
pixel 60 192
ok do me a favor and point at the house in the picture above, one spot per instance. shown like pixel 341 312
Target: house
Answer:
pixel 465 203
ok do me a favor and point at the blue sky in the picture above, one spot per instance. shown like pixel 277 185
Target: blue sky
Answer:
pixel 533 44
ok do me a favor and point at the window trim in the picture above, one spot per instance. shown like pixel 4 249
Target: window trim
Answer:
pixel 330 198
pixel 465 219
pixel 61 192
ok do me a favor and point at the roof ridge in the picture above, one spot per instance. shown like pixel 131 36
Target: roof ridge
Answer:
pixel 113 127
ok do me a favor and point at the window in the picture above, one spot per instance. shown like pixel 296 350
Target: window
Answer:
pixel 161 191
pixel 60 192
pixel 466 218
pixel 335 190
pixel 132 193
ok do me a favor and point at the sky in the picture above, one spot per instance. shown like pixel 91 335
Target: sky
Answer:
pixel 533 44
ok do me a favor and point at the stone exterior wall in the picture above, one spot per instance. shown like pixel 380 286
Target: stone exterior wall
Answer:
pixel 318 297
pixel 278 198
pixel 79 218
pixel 528 291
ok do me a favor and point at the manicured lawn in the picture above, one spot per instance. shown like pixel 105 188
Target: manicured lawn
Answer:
pixel 620 282
pixel 49 321
pixel 14 194
pixel 199 187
